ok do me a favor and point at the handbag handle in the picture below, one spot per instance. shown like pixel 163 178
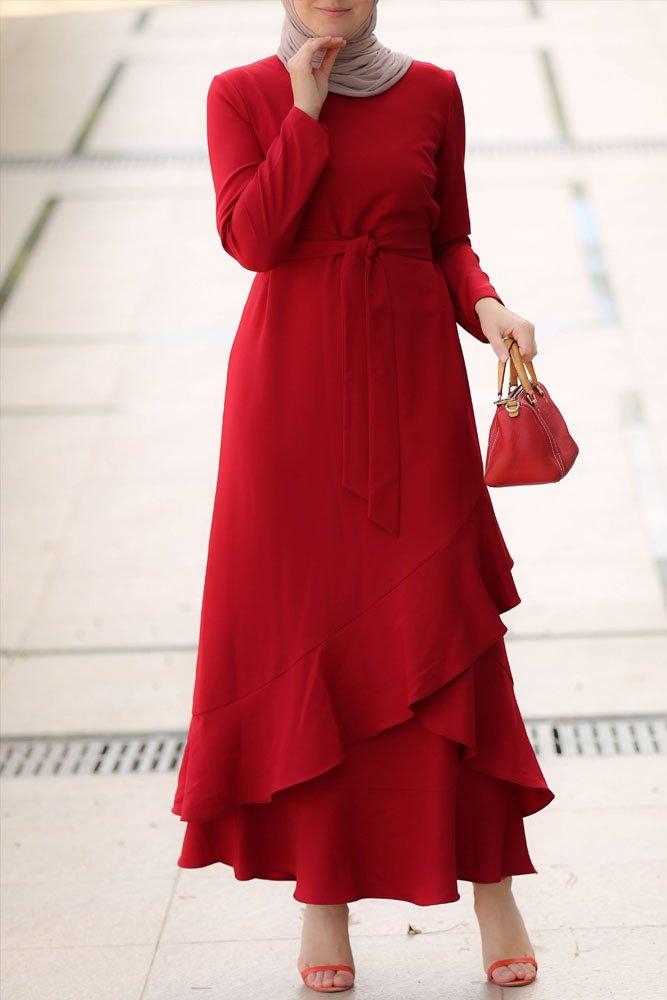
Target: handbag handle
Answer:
pixel 518 372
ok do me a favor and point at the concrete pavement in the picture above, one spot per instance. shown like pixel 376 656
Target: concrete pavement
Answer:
pixel 118 311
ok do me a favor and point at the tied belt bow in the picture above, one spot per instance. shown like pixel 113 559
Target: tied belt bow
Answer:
pixel 371 442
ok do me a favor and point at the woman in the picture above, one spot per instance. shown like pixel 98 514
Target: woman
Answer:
pixel 354 725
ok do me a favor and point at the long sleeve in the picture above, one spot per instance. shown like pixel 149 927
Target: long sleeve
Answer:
pixel 259 198
pixel 452 250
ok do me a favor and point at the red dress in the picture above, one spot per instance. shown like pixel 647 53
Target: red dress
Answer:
pixel 354 722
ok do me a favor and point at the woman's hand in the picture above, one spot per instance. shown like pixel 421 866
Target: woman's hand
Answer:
pixel 311 86
pixel 497 321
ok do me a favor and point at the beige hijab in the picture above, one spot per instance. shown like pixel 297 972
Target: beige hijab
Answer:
pixel 363 67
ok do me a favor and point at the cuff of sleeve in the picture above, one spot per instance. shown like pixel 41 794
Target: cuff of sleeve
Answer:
pixel 300 120
pixel 474 325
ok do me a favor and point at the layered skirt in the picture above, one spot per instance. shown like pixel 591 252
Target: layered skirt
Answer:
pixel 390 760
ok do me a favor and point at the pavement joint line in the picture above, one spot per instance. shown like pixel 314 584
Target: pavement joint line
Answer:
pixel 22 653
pixel 81 736
pixel 85 409
pixel 651 500
pixel 158 941
pixel 55 948
pixel 25 251
pixel 554 91
pixel 457 929
pixel 219 335
pixel 160 157
pixel 142 20
pixel 94 113
pixel 589 235
pixel 26 652
pixel 105 410
pixel 112 339
pixel 357 934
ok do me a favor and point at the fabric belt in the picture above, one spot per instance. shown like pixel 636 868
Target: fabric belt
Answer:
pixel 371 443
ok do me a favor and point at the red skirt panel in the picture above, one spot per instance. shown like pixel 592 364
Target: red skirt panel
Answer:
pixel 389 761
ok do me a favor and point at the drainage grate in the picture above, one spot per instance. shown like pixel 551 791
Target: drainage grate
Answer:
pixel 605 736
pixel 151 753
pixel 67 755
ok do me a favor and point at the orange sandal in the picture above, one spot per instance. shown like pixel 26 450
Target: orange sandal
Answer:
pixel 503 962
pixel 323 968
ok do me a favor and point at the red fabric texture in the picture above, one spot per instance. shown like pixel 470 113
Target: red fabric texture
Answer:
pixel 354 723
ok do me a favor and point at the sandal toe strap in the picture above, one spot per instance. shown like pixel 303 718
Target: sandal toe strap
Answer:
pixel 502 962
pixel 325 968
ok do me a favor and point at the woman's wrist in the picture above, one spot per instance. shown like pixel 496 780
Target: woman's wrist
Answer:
pixel 488 305
pixel 314 113
pixel 498 322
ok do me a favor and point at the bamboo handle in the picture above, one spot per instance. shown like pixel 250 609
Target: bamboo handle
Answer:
pixel 518 371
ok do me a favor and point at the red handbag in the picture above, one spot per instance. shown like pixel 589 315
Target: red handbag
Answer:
pixel 529 442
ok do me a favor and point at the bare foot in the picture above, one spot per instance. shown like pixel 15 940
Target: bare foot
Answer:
pixel 503 931
pixel 325 941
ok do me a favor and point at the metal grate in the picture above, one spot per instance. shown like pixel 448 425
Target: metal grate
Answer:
pixel 39 756
pixel 152 753
pixel 605 736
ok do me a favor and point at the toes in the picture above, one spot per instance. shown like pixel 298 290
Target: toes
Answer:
pixel 523 970
pixel 526 971
pixel 503 975
pixel 328 978
pixel 509 973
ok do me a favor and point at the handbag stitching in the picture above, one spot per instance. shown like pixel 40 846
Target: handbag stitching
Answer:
pixel 547 431
pixel 493 440
pixel 547 435
pixel 552 442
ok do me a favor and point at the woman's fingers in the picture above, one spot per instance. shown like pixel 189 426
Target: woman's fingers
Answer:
pixel 500 346
pixel 334 47
pixel 310 86
pixel 524 334
pixel 500 326
pixel 303 56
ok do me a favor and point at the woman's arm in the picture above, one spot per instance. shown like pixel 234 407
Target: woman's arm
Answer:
pixel 259 199
pixel 478 307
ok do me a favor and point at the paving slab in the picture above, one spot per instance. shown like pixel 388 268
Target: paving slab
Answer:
pixel 70 285
pixel 96 692
pixel 84 828
pixel 586 676
pixel 114 609
pixel 38 119
pixel 633 107
pixel 88 973
pixel 133 118
pixel 107 912
pixel 405 967
pixel 528 243
pixel 35 378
